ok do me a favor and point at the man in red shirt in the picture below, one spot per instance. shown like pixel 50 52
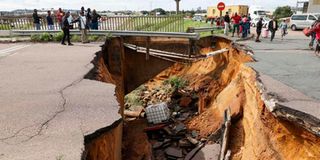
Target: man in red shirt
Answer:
pixel 236 22
pixel 59 15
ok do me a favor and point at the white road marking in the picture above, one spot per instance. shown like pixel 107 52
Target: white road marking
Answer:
pixel 8 51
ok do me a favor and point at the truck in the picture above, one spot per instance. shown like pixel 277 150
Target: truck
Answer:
pixel 257 12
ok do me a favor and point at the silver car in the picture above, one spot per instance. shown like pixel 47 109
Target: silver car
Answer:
pixel 301 21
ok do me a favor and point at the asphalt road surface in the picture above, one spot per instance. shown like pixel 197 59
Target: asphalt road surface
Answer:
pixel 289 61
pixel 46 107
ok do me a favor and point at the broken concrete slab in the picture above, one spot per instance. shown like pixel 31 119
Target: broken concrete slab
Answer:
pixel 290 104
pixel 193 152
pixel 174 152
pixel 209 151
pixel 47 108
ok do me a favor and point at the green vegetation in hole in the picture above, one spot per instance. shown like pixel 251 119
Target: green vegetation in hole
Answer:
pixel 134 98
pixel 176 82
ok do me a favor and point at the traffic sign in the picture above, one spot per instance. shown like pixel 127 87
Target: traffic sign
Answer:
pixel 221 6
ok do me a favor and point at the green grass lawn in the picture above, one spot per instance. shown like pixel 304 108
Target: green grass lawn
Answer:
pixel 190 23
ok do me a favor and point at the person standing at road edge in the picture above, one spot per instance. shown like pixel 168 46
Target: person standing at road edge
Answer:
pixel 95 20
pixel 273 27
pixel 59 16
pixel 312 35
pixel 36 19
pixel 236 22
pixel 88 18
pixel 66 29
pixel 83 26
pixel 316 30
pixel 284 28
pixel 50 21
pixel 226 24
pixel 259 29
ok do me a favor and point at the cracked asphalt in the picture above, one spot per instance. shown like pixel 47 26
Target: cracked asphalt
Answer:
pixel 46 105
pixel 289 61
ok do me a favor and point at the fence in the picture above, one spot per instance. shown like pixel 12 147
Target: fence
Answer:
pixel 174 23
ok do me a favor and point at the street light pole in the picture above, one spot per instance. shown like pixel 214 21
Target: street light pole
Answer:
pixel 177 5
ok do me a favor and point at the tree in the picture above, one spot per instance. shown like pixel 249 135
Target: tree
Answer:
pixel 160 10
pixel 282 12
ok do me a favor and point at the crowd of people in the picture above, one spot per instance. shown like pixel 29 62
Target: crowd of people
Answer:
pixel 86 20
pixel 241 26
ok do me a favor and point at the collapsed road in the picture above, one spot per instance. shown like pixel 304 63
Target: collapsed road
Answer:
pixel 161 98
pixel 203 105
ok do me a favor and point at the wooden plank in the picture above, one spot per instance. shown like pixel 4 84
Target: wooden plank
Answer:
pixel 225 138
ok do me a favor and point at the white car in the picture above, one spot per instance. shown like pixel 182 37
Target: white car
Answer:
pixel 265 21
pixel 301 21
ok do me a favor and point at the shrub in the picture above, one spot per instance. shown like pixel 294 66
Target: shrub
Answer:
pixel 75 38
pixel 93 38
pixel 176 82
pixel 35 38
pixel 58 36
pixel 45 37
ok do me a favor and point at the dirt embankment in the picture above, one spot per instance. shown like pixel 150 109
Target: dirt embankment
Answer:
pixel 225 81
pixel 221 82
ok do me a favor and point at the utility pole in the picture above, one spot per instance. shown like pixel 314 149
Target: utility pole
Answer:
pixel 177 4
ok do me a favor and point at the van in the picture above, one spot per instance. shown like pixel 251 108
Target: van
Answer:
pixel 301 21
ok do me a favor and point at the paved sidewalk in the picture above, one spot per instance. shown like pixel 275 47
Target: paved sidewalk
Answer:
pixel 46 105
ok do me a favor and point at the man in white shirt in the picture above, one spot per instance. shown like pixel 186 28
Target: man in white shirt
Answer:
pixel 83 26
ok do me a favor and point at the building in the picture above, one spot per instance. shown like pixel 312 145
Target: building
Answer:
pixel 240 9
pixel 314 6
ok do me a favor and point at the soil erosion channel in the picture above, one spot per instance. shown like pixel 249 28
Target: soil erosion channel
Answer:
pixel 195 95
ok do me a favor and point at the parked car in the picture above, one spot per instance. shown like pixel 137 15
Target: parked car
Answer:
pixel 301 21
pixel 199 17
pixel 265 21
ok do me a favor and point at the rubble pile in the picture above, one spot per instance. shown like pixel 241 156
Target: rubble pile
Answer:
pixel 168 108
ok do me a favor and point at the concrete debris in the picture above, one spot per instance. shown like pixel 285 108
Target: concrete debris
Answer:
pixel 172 152
pixel 184 143
pixel 133 113
pixel 194 134
pixel 179 127
pixel 208 152
pixel 191 154
pixel 192 140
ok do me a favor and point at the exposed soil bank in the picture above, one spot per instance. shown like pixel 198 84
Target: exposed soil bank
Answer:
pixel 220 82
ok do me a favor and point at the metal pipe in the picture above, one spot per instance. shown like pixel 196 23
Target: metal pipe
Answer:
pixel 115 33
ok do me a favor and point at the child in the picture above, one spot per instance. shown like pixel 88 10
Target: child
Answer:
pixel 283 27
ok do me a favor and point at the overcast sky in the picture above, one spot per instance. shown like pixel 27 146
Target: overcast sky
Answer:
pixel 133 4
